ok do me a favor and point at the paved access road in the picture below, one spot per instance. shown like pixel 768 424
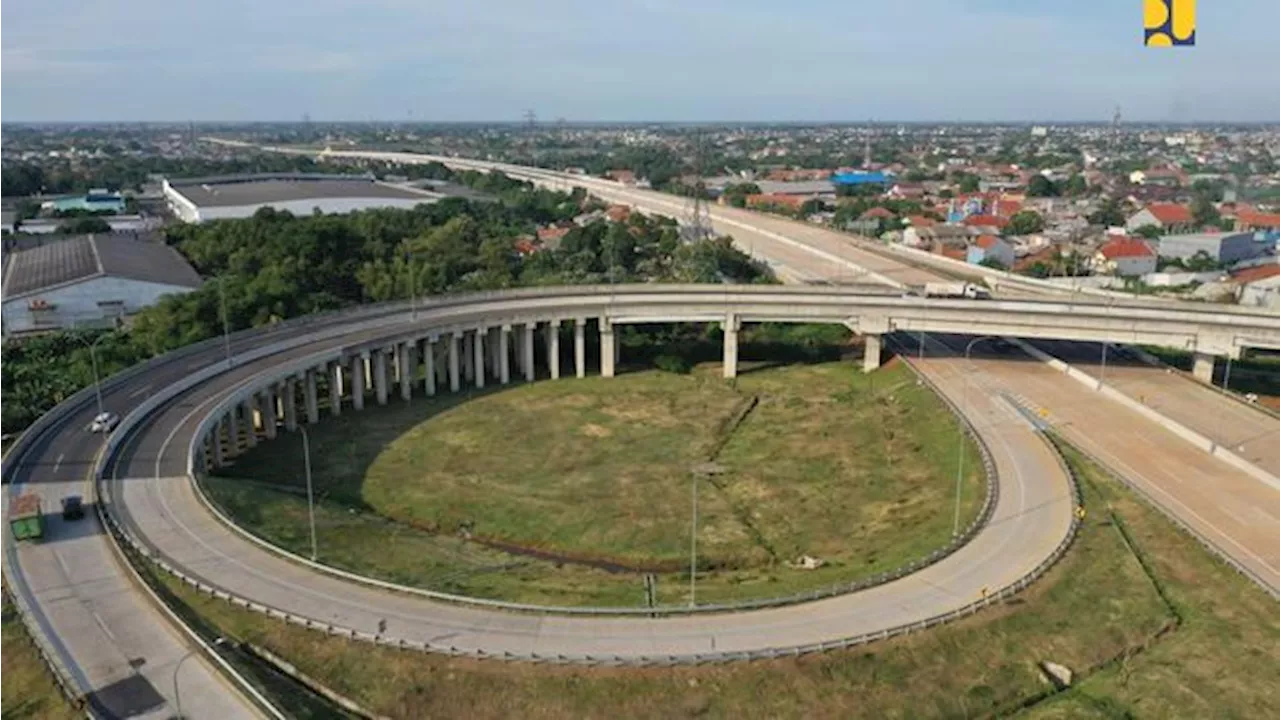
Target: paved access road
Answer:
pixel 1237 513
pixel 155 499
pixel 122 651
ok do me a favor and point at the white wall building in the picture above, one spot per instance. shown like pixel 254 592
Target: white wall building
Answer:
pixel 89 282
pixel 240 196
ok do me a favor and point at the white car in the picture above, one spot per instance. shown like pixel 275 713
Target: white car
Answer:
pixel 104 422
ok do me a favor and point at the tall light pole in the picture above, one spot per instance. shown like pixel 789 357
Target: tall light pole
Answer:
pixel 93 360
pixel 226 323
pixel 955 524
pixel 177 698
pixel 413 282
pixel 693 547
pixel 311 503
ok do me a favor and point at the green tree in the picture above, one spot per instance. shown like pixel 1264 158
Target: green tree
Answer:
pixel 967 182
pixel 1203 211
pixel 1109 214
pixel 1041 186
pixel 1025 222
pixel 1075 186
pixel 1150 232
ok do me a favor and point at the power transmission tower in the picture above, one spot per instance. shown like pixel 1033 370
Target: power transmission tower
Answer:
pixel 698 215
pixel 530 119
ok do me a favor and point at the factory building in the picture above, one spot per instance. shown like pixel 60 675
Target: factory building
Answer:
pixel 1220 247
pixel 239 196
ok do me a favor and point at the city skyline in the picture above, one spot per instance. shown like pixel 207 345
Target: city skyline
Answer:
pixel 657 61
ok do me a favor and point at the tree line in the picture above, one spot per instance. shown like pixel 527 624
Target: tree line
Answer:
pixel 275 265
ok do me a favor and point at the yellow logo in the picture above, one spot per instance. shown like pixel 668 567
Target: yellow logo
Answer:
pixel 1169 22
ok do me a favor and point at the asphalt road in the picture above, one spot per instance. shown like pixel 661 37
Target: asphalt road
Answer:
pixel 120 648
pixel 157 501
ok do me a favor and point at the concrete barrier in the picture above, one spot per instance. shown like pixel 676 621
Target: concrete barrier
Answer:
pixel 1197 440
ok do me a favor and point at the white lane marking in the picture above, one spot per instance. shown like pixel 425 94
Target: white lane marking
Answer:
pixel 58 463
pixel 98 619
pixel 144 389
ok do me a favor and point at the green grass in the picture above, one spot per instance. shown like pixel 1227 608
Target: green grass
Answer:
pixel 1216 656
pixel 28 687
pixel 853 469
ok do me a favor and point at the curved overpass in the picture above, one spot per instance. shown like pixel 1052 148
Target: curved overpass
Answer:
pixel 148 490
pixel 148 493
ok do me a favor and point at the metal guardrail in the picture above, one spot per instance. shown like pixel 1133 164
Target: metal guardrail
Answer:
pixel 61 675
pixel 273 375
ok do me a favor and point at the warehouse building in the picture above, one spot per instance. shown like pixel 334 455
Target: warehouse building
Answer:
pixel 1223 247
pixel 91 281
pixel 239 196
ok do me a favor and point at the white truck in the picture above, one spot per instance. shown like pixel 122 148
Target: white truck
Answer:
pixel 956 290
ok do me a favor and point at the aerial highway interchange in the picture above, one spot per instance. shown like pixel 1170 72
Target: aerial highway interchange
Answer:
pixel 119 649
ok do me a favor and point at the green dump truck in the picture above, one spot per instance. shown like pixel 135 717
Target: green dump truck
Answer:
pixel 25 518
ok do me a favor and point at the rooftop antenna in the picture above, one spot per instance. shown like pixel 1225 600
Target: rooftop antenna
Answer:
pixel 698 215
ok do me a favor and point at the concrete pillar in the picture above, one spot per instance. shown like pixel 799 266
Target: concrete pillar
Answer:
pixel 250 420
pixel 871 358
pixel 367 364
pixel 442 363
pixel 404 362
pixel 504 354
pixel 454 382
pixel 475 371
pixel 357 381
pixel 215 442
pixel 233 430
pixel 335 388
pixel 289 390
pixel 553 349
pixel 269 417
pixel 380 376
pixel 309 399
pixel 429 361
pixel 494 345
pixel 580 347
pixel 1202 369
pixel 526 351
pixel 473 358
pixel 608 348
pixel 731 326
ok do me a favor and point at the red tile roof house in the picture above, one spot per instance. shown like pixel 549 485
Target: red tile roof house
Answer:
pixel 1169 217
pixel 986 221
pixel 626 177
pixel 1125 256
pixel 877 213
pixel 550 237
pixel 1250 220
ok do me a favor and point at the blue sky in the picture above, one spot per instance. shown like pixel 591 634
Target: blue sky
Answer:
pixel 590 60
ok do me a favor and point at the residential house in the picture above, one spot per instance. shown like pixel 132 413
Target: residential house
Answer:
pixel 1259 286
pixel 626 177
pixel 765 201
pixel 1252 220
pixel 1124 256
pixel 990 248
pixel 986 223
pixel 1222 247
pixel 550 237
pixel 1171 218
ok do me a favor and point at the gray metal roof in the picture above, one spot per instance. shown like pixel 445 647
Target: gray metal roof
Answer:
pixel 29 272
pixel 257 192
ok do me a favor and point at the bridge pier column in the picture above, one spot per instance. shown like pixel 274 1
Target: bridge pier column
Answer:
pixel 1202 367
pixel 553 349
pixel 471 353
pixel 608 348
pixel 215 445
pixel 289 391
pixel 454 381
pixel 250 418
pixel 233 430
pixel 269 413
pixel 309 397
pixel 405 362
pixel 335 388
pixel 874 346
pixel 504 354
pixel 429 363
pixel 492 341
pixel 580 347
pixel 380 376
pixel 357 380
pixel 526 350
pixel 731 326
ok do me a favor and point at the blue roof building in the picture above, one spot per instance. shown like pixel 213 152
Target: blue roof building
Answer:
pixel 860 178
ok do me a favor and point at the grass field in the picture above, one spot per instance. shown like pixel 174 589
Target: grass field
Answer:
pixel 1182 637
pixel 28 688
pixel 569 492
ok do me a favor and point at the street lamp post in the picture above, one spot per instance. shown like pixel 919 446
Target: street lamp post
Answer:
pixel 311 504
pixel 226 323
pixel 177 698
pixel 955 524
pixel 693 547
pixel 93 360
